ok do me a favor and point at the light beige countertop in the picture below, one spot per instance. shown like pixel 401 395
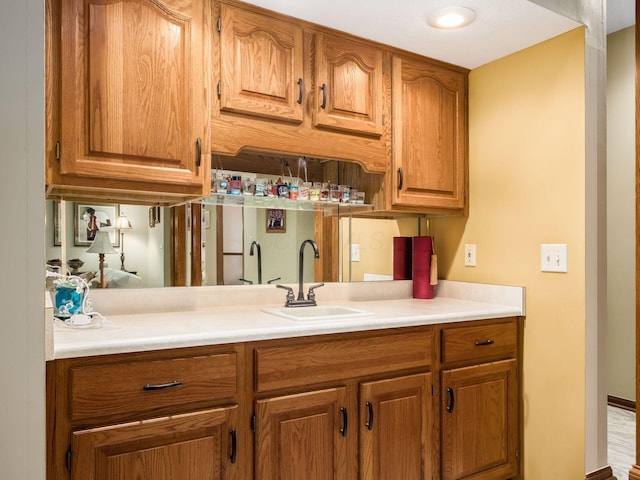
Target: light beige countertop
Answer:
pixel 154 319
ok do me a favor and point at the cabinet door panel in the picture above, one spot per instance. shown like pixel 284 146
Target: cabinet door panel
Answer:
pixel 134 99
pixel 479 421
pixel 261 63
pixel 429 135
pixel 193 446
pixel 298 436
pixel 352 96
pixel 395 428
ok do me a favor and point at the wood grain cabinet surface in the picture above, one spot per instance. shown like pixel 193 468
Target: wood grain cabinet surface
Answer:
pixel 290 87
pixel 411 403
pixel 349 91
pixel 128 98
pixel 480 402
pixel 429 135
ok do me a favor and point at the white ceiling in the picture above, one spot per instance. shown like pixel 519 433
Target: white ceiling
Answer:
pixel 501 27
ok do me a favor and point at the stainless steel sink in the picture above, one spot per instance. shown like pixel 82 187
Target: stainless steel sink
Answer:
pixel 319 312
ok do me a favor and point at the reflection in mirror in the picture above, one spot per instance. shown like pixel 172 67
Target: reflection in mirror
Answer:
pixel 370 243
pixel 149 248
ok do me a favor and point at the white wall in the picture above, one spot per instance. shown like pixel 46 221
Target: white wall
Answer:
pixel 621 214
pixel 22 418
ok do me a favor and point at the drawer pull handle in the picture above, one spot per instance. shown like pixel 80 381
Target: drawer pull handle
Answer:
pixel 452 400
pixel 485 343
pixel 324 96
pixel 343 430
pixel 162 386
pixel 234 445
pixel 198 151
pixel 369 423
pixel 300 91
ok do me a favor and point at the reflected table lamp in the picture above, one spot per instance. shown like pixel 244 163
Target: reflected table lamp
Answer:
pixel 122 224
pixel 101 245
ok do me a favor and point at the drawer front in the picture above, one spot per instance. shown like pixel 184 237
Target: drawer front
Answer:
pixel 139 387
pixel 479 342
pixel 334 360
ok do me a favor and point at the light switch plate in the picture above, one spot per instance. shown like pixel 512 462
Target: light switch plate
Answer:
pixel 470 255
pixel 355 252
pixel 553 257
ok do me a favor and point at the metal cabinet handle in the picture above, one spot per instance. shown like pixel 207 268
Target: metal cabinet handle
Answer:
pixel 369 423
pixel 345 421
pixel 451 400
pixel 485 343
pixel 400 178
pixel 324 96
pixel 162 386
pixel 234 445
pixel 198 151
pixel 300 91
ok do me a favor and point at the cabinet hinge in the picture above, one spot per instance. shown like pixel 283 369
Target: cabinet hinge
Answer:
pixel 58 150
pixel 219 25
pixel 219 89
pixel 68 459
pixel 253 423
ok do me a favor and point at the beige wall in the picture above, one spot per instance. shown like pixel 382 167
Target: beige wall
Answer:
pixel 621 214
pixel 527 187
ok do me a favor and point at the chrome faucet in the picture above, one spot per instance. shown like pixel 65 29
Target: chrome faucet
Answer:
pixel 255 244
pixel 311 296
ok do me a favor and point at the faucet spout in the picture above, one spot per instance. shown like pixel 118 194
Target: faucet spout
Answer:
pixel 316 254
pixel 256 245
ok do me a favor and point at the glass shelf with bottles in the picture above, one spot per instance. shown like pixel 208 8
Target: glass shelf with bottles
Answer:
pixel 294 194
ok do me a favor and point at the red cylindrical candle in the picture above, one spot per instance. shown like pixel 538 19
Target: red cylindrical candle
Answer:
pixel 402 258
pixel 422 250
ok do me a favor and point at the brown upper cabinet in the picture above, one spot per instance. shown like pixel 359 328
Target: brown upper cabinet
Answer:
pixel 140 94
pixel 262 68
pixel 289 87
pixel 429 135
pixel 349 96
pixel 128 98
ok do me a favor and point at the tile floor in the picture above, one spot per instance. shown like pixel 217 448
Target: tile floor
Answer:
pixel 621 440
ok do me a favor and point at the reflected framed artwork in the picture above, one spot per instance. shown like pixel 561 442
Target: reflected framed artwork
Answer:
pixel 276 220
pixel 90 218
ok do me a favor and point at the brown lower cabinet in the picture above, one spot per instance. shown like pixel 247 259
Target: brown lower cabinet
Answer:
pixel 191 446
pixel 431 402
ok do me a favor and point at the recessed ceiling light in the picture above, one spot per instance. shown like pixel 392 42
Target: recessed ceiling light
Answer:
pixel 451 17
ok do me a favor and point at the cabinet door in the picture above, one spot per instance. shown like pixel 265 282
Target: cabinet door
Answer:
pixel 349 85
pixel 429 135
pixel 134 99
pixel 261 65
pixel 480 422
pixel 302 436
pixel 195 446
pixel 396 428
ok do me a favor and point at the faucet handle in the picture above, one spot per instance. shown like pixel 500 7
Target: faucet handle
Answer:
pixel 312 294
pixel 290 296
pixel 274 280
pixel 244 280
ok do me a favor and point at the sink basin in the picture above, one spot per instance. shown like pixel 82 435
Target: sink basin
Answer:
pixel 320 312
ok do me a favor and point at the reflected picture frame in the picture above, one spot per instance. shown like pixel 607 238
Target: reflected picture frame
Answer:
pixel 57 233
pixel 276 220
pixel 89 218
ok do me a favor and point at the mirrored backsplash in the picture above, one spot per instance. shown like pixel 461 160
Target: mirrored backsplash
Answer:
pixel 227 235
